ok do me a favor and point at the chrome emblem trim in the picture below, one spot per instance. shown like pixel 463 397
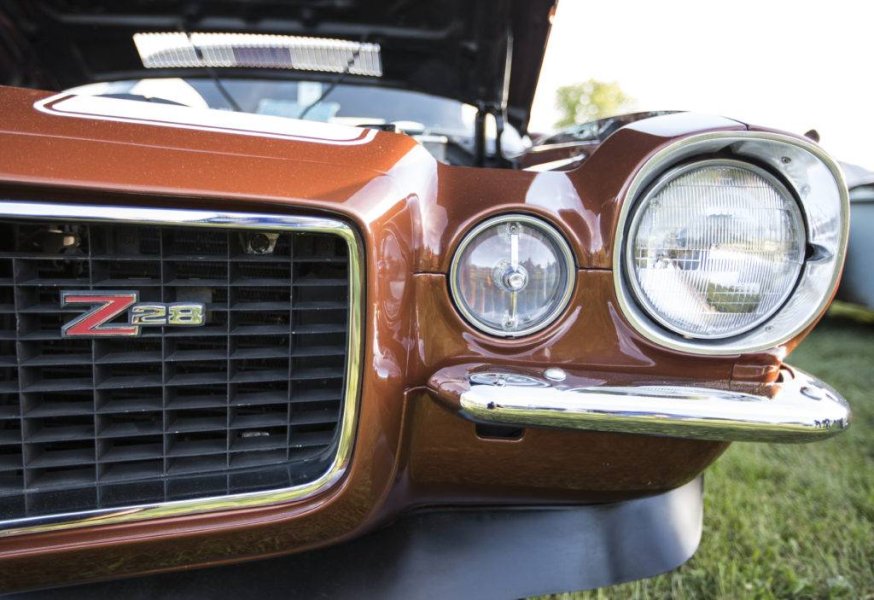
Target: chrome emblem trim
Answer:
pixel 108 305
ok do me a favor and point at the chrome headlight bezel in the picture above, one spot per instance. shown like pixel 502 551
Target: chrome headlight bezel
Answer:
pixel 816 182
pixel 565 257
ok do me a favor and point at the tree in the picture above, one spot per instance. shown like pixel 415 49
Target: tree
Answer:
pixel 589 101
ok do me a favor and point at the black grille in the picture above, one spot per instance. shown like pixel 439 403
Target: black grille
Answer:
pixel 252 400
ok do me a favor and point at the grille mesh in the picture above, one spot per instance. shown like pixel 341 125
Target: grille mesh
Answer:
pixel 252 400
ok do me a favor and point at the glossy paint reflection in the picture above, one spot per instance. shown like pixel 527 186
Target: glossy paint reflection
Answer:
pixel 410 213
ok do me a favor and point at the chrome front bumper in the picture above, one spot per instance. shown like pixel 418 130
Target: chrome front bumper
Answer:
pixel 799 408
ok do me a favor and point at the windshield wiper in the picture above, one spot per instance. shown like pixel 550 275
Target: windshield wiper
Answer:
pixel 212 74
pixel 335 83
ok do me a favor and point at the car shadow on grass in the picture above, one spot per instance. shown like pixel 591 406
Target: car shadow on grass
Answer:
pixel 786 520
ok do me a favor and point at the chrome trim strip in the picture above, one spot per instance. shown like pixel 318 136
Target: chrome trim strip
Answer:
pixel 818 183
pixel 567 257
pixel 229 220
pixel 562 145
pixel 71 104
pixel 555 164
pixel 802 410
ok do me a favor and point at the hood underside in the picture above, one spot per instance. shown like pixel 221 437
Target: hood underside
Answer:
pixel 483 52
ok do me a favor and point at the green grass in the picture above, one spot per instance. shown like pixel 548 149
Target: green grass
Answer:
pixel 790 521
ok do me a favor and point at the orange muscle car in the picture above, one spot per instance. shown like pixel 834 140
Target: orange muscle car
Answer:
pixel 288 280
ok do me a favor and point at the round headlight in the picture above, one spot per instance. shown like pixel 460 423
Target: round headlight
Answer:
pixel 512 275
pixel 715 248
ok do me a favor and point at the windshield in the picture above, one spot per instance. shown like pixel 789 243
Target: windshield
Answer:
pixel 345 103
pixel 420 115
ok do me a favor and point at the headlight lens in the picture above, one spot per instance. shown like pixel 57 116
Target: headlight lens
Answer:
pixel 512 275
pixel 715 248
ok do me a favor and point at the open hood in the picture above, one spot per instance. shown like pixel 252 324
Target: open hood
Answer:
pixel 483 52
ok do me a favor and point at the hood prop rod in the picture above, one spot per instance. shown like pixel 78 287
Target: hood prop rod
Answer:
pixel 479 135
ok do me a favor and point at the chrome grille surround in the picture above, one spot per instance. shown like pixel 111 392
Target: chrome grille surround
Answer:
pixel 156 217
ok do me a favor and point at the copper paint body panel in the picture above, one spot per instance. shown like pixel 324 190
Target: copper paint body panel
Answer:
pixel 410 212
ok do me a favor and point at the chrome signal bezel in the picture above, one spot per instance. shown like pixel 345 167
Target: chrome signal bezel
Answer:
pixel 565 257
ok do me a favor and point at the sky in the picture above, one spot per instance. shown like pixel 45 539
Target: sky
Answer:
pixel 784 64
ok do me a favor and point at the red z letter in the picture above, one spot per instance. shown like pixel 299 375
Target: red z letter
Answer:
pixel 89 324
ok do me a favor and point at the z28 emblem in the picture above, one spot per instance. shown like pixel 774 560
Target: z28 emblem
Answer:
pixel 109 305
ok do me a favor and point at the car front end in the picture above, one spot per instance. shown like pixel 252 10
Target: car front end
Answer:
pixel 231 336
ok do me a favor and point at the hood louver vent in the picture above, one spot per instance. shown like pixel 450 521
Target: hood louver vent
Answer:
pixel 223 50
